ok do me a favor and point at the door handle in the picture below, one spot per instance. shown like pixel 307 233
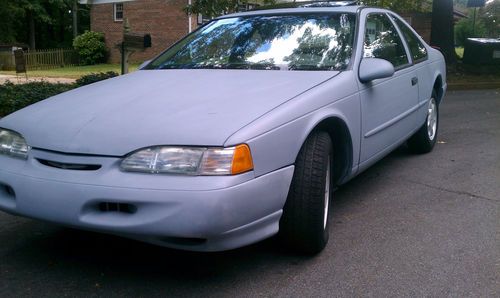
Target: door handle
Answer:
pixel 414 81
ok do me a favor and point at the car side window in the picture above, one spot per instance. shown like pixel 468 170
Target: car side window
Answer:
pixel 417 49
pixel 382 41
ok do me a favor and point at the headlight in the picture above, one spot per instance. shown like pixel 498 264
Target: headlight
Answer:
pixel 190 160
pixel 13 144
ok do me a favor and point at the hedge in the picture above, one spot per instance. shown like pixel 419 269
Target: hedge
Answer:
pixel 14 97
pixel 95 77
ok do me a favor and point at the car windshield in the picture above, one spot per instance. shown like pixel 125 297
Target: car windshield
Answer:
pixel 278 42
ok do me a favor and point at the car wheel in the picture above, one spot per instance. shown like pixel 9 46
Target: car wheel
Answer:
pixel 304 223
pixel 425 138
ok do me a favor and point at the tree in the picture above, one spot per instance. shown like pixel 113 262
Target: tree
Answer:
pixel 33 10
pixel 42 23
pixel 487 20
pixel 490 16
pixel 401 5
pixel 214 8
pixel 74 13
pixel 442 31
pixel 9 20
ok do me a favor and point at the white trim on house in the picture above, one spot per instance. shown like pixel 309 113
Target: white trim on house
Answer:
pixel 116 11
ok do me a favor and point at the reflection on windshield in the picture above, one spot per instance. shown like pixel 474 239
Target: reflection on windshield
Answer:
pixel 284 42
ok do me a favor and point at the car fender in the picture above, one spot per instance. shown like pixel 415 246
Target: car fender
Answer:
pixel 276 138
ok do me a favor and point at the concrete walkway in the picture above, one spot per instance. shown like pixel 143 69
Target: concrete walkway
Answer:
pixel 22 79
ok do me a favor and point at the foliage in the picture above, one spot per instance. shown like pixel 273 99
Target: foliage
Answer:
pixel 214 8
pixel 490 17
pixel 401 5
pixel 465 29
pixel 14 97
pixel 91 47
pixel 9 20
pixel 52 20
pixel 95 77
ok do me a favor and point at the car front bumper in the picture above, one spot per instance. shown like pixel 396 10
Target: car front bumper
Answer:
pixel 192 213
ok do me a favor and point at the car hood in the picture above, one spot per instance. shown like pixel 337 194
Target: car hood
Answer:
pixel 157 107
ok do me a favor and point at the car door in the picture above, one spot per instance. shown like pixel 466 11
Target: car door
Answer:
pixel 420 60
pixel 387 105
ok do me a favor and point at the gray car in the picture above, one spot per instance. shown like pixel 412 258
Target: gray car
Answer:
pixel 240 131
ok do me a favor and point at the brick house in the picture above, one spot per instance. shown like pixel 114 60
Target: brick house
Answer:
pixel 165 20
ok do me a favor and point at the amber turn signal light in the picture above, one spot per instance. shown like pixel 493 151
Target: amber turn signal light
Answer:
pixel 242 160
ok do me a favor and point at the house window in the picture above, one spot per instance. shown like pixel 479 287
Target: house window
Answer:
pixel 118 11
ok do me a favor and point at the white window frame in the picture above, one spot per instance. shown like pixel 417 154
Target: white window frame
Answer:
pixel 115 10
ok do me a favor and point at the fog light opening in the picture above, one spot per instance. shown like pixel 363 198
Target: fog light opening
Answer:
pixel 117 207
pixel 9 190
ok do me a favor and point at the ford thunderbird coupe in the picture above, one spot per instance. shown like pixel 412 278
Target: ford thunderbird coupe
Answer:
pixel 240 131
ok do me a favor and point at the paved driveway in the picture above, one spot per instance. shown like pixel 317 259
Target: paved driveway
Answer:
pixel 425 225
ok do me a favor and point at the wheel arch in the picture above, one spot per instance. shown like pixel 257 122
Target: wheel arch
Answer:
pixel 438 87
pixel 342 143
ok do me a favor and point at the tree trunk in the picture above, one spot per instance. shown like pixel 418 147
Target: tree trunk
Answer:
pixel 31 21
pixel 74 12
pixel 442 32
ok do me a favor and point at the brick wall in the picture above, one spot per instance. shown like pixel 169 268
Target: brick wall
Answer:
pixel 165 20
pixel 421 22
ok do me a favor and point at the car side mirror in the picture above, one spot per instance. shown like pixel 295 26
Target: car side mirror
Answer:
pixel 374 68
pixel 144 64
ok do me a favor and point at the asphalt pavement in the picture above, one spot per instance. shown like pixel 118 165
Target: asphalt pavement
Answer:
pixel 410 226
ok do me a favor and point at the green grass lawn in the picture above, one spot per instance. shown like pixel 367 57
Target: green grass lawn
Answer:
pixel 73 72
pixel 460 52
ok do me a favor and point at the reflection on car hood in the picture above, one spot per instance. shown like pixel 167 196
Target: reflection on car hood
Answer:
pixel 157 107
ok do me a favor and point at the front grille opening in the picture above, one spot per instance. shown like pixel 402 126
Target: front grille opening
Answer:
pixel 69 166
pixel 7 190
pixel 117 207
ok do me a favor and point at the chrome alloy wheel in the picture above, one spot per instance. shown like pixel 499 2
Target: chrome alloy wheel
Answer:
pixel 327 193
pixel 432 119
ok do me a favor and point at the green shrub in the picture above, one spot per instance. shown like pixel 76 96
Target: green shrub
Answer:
pixel 91 47
pixel 95 77
pixel 14 97
pixel 465 29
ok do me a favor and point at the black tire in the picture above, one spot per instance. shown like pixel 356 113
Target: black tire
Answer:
pixel 302 225
pixel 421 142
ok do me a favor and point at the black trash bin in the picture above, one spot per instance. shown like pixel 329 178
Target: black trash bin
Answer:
pixel 482 51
